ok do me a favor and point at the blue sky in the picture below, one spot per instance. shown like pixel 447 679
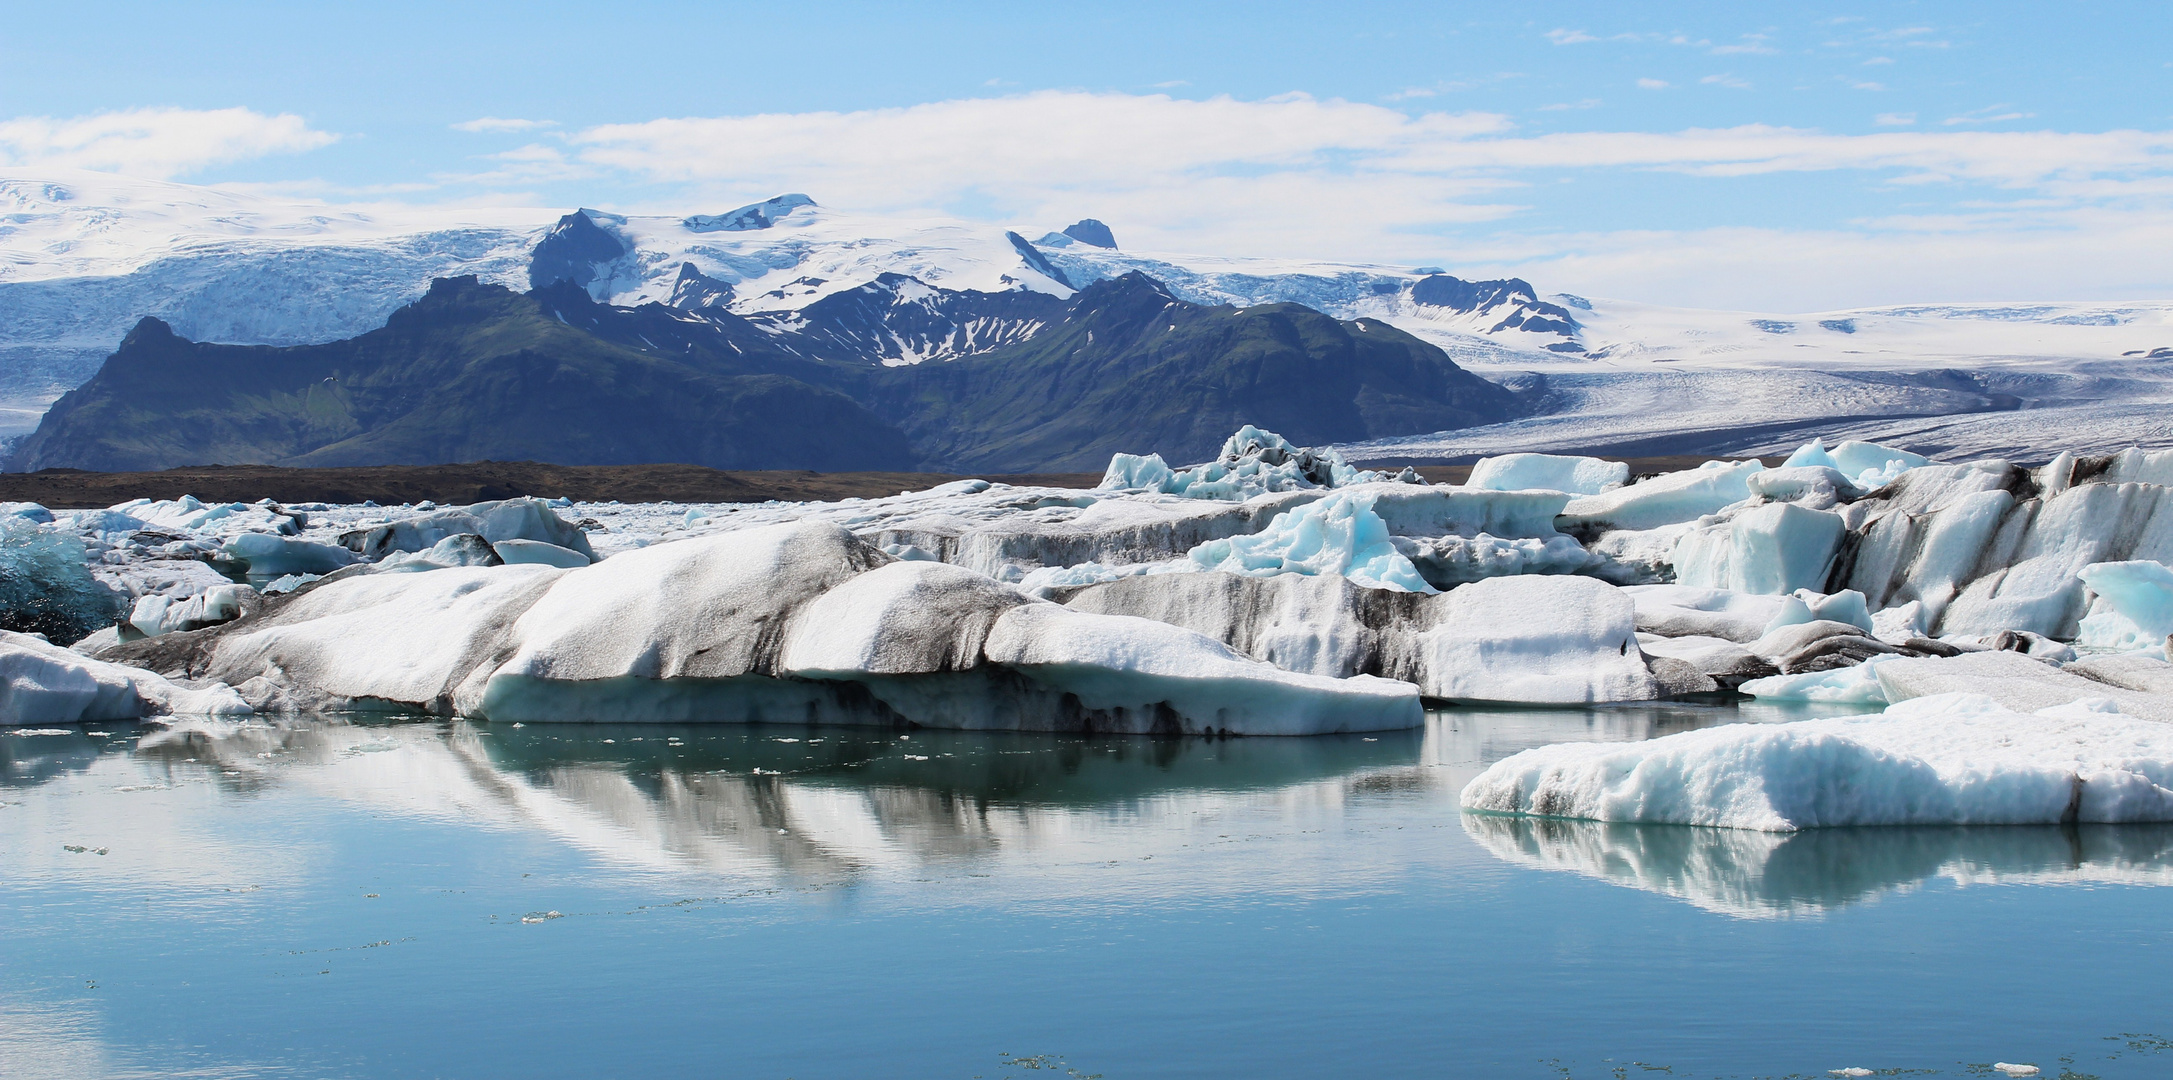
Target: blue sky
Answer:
pixel 1747 155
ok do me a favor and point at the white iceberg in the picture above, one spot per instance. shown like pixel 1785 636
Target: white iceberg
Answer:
pixel 1954 759
pixel 797 622
pixel 1339 534
pixel 42 683
pixel 526 518
pixel 2016 681
pixel 1858 685
pixel 1869 465
pixel 1773 548
pixel 1551 472
pixel 1664 500
pixel 1541 640
pixel 1251 462
pixel 2139 595
pixel 270 556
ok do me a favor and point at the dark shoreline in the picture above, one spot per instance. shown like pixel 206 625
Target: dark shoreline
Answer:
pixel 477 482
pixel 480 481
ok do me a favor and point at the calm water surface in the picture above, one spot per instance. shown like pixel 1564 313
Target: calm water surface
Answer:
pixel 431 899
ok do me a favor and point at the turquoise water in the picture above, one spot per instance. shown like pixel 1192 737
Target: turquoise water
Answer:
pixel 435 899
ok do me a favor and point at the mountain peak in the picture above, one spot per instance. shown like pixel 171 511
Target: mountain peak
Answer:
pixel 149 330
pixel 1090 231
pixel 574 250
pixel 1039 262
pixel 693 290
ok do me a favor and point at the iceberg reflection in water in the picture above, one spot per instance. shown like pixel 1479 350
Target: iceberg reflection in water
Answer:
pixel 397 898
pixel 1763 875
pixel 830 801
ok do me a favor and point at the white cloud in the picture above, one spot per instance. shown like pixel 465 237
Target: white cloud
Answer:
pixel 1878 60
pixel 493 124
pixel 2073 255
pixel 1750 44
pixel 1867 86
pixel 1020 148
pixel 1569 37
pixel 157 143
pixel 1652 84
pixel 1729 81
pixel 1990 114
pixel 1295 176
pixel 1894 119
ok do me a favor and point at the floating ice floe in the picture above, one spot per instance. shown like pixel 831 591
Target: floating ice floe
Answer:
pixel 797 622
pixel 42 683
pixel 1950 759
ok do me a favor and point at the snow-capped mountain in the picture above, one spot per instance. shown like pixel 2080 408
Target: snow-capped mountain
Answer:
pixel 83 256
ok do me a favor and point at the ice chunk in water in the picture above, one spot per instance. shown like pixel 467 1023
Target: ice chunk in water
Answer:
pixel 42 683
pixel 46 585
pixel 1955 759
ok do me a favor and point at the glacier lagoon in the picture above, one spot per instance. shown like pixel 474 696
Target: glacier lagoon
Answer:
pixel 324 897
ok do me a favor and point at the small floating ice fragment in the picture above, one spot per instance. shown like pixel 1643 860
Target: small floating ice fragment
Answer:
pixel 2016 1070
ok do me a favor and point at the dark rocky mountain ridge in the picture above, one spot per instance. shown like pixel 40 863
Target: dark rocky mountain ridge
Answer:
pixel 893 375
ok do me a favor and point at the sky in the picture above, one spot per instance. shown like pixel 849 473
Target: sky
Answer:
pixel 1772 157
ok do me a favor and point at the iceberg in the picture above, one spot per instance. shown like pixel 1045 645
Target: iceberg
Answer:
pixel 153 615
pixel 1868 465
pixel 518 551
pixel 1337 535
pixel 269 556
pixel 1251 462
pixel 1953 759
pixel 1551 472
pixel 794 622
pixel 42 683
pixel 2015 681
pixel 2140 597
pixel 1772 548
pixel 46 586
pixel 526 518
pixel 1663 500
pixel 1524 639
pixel 1858 685
pixel 1540 640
